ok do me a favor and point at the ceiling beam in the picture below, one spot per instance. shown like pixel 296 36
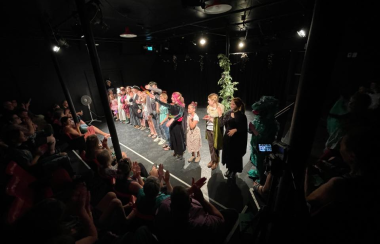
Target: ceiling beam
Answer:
pixel 233 24
pixel 220 16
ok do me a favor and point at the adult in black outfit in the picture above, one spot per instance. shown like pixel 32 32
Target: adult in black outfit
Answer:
pixel 235 137
pixel 177 123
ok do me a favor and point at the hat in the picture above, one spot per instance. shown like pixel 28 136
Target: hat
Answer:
pixel 136 87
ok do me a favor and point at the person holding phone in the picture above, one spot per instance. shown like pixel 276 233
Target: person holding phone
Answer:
pixel 235 137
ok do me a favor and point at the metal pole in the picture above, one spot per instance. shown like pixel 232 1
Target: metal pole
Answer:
pixel 58 70
pixel 87 31
pixel 324 38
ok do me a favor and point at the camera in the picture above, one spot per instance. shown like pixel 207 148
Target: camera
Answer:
pixel 265 147
pixel 277 157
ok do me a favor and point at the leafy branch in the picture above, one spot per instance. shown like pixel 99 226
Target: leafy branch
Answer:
pixel 226 83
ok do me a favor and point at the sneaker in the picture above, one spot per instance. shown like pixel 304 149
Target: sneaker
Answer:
pixel 162 142
pixel 157 139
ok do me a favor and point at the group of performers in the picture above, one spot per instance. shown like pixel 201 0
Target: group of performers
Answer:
pixel 175 126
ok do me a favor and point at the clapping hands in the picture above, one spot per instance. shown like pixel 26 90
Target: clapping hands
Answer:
pixel 136 170
pixel 195 189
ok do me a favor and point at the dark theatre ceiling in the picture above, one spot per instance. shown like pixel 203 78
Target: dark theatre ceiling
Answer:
pixel 159 22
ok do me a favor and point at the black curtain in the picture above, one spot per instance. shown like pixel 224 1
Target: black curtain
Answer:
pixel 260 74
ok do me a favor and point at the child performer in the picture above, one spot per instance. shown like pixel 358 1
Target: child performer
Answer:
pixel 193 138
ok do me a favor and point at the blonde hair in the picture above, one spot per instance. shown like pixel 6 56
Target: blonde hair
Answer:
pixel 214 97
pixel 164 96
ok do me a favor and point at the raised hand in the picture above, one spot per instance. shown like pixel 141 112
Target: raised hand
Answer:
pixel 136 170
pixel 197 194
pixel 154 171
pixel 104 143
pixel 160 171
pixel 198 184
pixel 167 176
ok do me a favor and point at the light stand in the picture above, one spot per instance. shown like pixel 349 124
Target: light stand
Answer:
pixel 92 119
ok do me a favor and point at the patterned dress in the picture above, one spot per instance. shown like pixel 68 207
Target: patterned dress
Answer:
pixel 193 138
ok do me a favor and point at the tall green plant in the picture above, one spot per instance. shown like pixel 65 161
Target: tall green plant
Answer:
pixel 226 83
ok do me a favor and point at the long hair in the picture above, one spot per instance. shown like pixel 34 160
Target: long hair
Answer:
pixel 178 99
pixel 92 143
pixel 240 106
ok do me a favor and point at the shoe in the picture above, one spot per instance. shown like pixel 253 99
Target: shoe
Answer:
pixel 191 159
pixel 175 155
pixel 157 139
pixel 179 156
pixel 227 174
pixel 167 148
pixel 162 142
pixel 209 165
pixel 154 137
pixel 214 165
pixel 197 159
pixel 150 135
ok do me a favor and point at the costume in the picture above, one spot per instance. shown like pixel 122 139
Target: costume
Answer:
pixel 235 146
pixel 120 109
pixel 176 131
pixel 134 107
pixel 193 137
pixel 267 127
pixel 214 132
pixel 114 106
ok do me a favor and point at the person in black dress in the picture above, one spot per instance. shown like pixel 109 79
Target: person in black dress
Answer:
pixel 177 124
pixel 235 137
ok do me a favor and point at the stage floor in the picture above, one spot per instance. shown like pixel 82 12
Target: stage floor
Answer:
pixel 222 192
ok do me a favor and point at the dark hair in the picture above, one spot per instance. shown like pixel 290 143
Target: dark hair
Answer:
pixel 151 187
pixel 92 143
pixel 364 143
pixel 124 167
pixel 57 113
pixel 239 104
pixel 180 200
pixel 360 102
pixel 11 133
pixel 103 157
pixel 64 119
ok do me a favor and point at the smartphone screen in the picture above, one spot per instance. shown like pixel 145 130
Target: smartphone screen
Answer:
pixel 265 147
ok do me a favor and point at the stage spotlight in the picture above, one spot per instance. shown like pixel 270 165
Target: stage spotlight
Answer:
pixel 241 44
pixel 56 49
pixel 202 41
pixel 301 33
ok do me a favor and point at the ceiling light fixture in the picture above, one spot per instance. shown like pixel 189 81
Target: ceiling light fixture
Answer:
pixel 301 33
pixel 56 49
pixel 217 8
pixel 241 44
pixel 128 34
pixel 202 41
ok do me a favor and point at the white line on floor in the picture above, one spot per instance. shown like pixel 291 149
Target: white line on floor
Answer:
pixel 254 198
pixel 80 158
pixel 171 175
